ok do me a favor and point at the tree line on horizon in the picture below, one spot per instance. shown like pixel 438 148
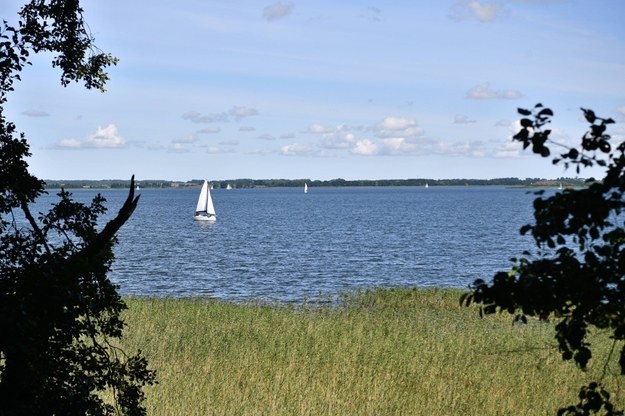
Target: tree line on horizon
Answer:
pixel 286 183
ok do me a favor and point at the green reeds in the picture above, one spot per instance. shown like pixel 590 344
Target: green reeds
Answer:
pixel 379 352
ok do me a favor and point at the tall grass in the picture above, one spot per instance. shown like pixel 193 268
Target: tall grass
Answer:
pixel 381 352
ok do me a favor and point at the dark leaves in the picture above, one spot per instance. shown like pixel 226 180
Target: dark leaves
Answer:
pixel 577 273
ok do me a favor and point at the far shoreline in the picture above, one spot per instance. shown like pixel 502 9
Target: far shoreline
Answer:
pixel 299 183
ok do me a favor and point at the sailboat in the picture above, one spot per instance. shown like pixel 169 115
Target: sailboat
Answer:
pixel 205 211
pixel 305 188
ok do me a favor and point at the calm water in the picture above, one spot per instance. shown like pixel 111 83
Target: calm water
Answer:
pixel 284 245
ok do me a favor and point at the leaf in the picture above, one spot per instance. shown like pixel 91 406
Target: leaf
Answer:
pixel 526 122
pixel 523 112
pixel 589 115
pixel 545 112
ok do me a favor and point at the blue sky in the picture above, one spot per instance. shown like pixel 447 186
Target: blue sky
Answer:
pixel 324 89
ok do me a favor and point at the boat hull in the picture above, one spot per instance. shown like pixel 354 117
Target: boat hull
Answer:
pixel 210 218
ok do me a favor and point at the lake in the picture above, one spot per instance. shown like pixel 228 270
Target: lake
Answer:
pixel 280 244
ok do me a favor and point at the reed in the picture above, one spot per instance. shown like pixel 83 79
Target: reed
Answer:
pixel 378 352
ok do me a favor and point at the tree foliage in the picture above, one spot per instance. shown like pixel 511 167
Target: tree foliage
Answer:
pixel 576 275
pixel 59 313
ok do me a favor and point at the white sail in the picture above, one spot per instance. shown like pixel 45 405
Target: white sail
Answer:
pixel 305 187
pixel 205 211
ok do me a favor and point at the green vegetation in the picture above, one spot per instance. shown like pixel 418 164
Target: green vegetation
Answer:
pixel 284 183
pixel 576 270
pixel 59 312
pixel 380 352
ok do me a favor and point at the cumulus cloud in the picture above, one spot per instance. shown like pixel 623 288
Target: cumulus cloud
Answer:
pixel 462 119
pixel 35 113
pixel 295 149
pixel 104 138
pixel 485 92
pixel 397 123
pixel 476 10
pixel 239 112
pixel 316 128
pixel 278 11
pixel 400 145
pixel 392 127
pixel 365 147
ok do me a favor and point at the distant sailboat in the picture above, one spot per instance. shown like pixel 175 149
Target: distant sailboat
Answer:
pixel 205 211
pixel 427 186
pixel 560 187
pixel 228 187
pixel 305 188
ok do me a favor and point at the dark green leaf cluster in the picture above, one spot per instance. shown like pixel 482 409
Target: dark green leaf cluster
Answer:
pixel 60 320
pixel 592 398
pixel 577 273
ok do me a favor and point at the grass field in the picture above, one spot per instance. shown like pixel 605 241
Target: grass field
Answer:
pixel 381 352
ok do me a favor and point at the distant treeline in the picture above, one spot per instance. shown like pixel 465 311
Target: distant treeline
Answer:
pixel 281 183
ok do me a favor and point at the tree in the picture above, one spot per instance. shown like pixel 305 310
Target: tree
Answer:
pixel 577 273
pixel 59 313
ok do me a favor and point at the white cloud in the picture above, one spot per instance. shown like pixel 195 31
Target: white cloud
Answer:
pixel 400 145
pixel 392 127
pixel 317 128
pixel 621 110
pixel 239 112
pixel 365 147
pixel 68 144
pixel 339 140
pixel 277 11
pixel 247 128
pixel 397 123
pixel 476 10
pixel 295 149
pixel 485 92
pixel 104 137
pixel 179 148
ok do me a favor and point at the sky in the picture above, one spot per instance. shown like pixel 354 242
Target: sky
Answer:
pixel 324 89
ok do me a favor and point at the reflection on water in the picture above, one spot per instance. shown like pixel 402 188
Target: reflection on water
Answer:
pixel 282 244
